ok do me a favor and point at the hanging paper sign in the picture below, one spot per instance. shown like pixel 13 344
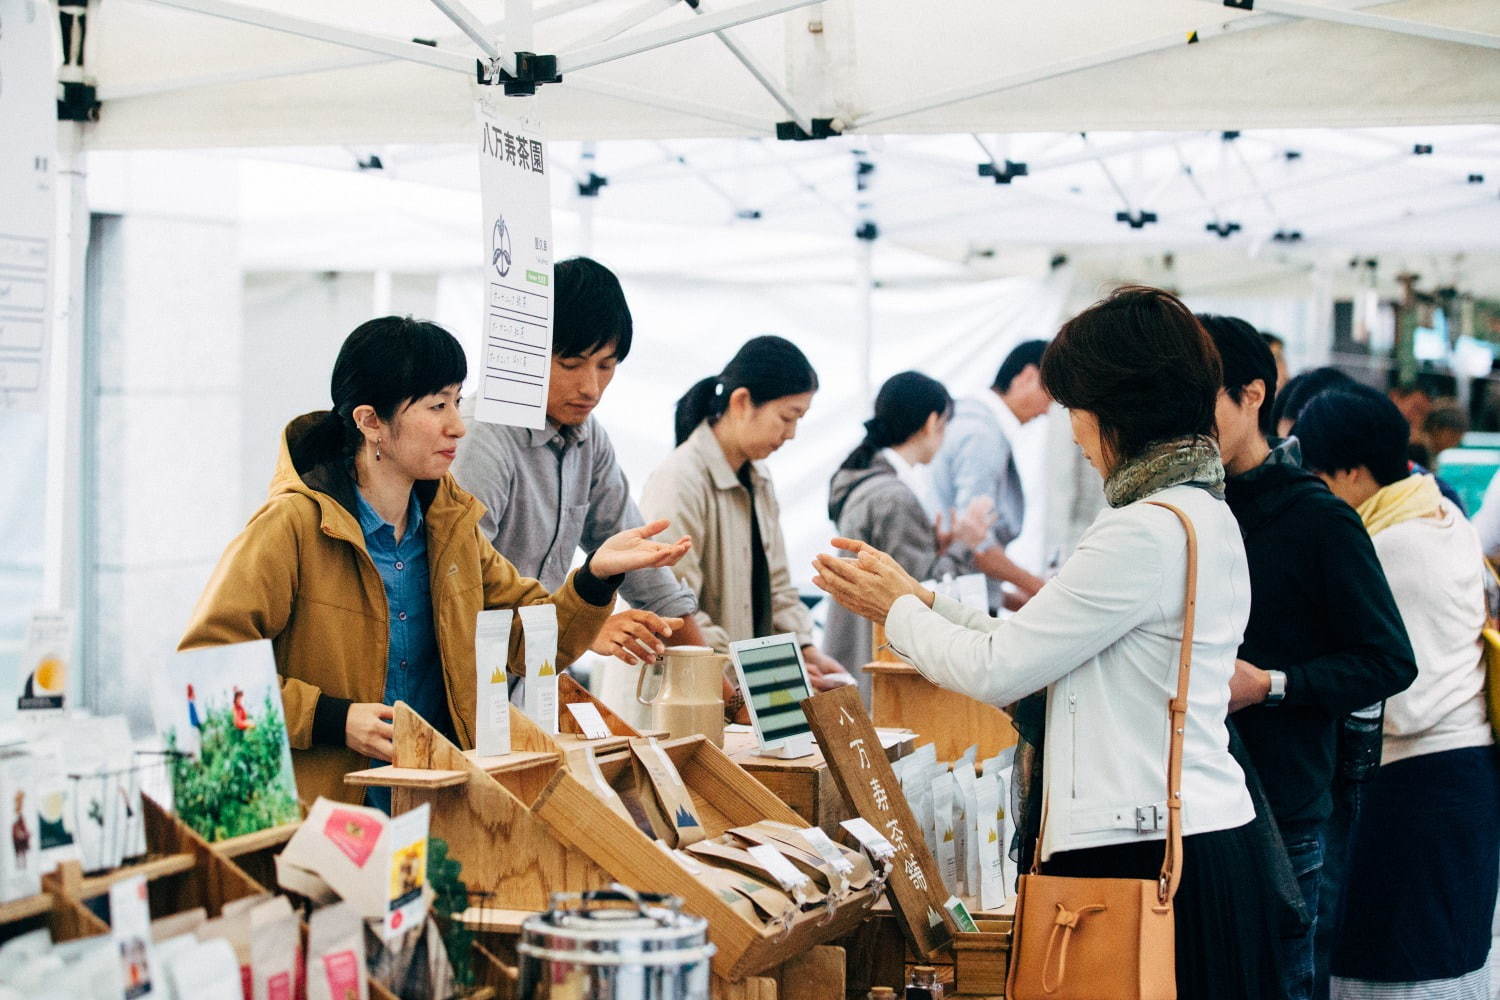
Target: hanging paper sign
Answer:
pixel 28 95
pixel 517 346
pixel 852 749
pixel 44 663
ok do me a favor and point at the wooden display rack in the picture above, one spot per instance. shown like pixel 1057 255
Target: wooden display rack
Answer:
pixel 901 697
pixel 523 828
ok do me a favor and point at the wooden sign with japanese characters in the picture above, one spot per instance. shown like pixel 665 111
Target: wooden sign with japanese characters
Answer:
pixel 870 789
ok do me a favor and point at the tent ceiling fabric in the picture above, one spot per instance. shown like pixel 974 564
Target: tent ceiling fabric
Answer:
pixel 175 78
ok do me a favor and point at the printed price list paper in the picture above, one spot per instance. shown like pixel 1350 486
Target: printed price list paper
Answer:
pixel 517 347
pixel 28 123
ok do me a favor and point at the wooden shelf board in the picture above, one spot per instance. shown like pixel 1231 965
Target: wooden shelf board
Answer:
pixel 257 841
pixel 25 907
pixel 520 760
pixel 494 920
pixel 406 777
pixel 152 868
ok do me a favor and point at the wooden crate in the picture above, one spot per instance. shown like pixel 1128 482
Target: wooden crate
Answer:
pixel 805 783
pixel 725 796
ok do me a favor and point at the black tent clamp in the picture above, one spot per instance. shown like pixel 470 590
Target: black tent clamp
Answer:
pixel 1005 174
pixel 532 71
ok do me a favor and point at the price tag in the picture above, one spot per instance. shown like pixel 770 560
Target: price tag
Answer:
pixel 828 850
pixel 869 838
pixel 780 868
pixel 586 714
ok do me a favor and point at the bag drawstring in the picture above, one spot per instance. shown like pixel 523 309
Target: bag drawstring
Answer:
pixel 1065 924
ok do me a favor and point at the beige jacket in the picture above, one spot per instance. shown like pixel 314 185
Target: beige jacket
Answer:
pixel 300 575
pixel 700 494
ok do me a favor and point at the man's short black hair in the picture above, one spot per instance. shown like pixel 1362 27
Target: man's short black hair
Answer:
pixel 1271 339
pixel 1028 352
pixel 1300 389
pixel 1246 357
pixel 1351 427
pixel 588 310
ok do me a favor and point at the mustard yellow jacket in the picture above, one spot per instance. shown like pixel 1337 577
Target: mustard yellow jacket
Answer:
pixel 300 575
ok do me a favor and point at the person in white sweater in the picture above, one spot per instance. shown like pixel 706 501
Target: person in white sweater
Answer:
pixel 1140 379
pixel 1424 853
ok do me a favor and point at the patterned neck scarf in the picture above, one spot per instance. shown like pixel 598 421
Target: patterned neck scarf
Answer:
pixel 1191 460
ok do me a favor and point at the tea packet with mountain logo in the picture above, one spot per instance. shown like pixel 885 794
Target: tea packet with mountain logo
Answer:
pixel 492 701
pixel 670 808
pixel 539 628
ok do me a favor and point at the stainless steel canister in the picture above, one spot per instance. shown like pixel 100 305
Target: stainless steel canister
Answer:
pixel 614 944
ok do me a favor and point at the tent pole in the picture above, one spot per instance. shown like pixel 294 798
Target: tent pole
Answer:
pixel 864 293
pixel 645 41
pixel 62 535
pixel 1068 66
pixel 520 25
pixel 108 92
pixel 475 29
pixel 632 18
pixel 260 17
pixel 1378 22
pixel 762 77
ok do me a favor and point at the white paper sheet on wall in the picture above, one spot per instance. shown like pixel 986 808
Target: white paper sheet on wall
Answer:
pixel 517 347
pixel 28 120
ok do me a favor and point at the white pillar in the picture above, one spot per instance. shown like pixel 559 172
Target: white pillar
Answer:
pixel 61 530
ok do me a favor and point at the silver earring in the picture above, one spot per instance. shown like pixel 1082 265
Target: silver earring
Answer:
pixel 377 448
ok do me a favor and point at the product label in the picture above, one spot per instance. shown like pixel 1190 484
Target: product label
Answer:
pixel 869 838
pixel 354 833
pixel 341 971
pixel 279 986
pixel 780 868
pixel 827 850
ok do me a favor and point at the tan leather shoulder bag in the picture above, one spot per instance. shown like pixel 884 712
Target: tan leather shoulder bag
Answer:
pixel 1110 938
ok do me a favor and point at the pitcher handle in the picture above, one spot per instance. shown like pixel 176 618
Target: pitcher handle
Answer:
pixel 660 669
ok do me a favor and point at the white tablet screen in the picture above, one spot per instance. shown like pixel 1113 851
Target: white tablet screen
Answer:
pixel 776 688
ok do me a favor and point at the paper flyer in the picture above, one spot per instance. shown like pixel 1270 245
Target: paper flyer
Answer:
pixel 130 928
pixel 516 198
pixel 28 93
pixel 44 661
pixel 491 652
pixel 406 906
pixel 20 849
pixel 218 710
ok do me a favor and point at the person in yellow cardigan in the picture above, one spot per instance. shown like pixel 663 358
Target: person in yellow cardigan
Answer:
pixel 366 565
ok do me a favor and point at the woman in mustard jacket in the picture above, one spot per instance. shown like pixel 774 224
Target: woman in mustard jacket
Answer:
pixel 366 566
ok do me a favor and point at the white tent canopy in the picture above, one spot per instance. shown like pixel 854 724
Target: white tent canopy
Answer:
pixel 176 73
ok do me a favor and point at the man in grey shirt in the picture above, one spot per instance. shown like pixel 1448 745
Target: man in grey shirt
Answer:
pixel 977 460
pixel 551 491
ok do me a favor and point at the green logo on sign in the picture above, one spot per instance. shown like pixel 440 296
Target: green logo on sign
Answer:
pixel 536 278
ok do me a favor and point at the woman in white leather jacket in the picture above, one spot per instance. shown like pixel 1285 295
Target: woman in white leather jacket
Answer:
pixel 1140 378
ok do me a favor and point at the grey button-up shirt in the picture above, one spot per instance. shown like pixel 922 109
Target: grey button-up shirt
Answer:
pixel 552 491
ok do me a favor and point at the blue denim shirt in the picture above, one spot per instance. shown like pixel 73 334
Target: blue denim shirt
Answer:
pixel 413 668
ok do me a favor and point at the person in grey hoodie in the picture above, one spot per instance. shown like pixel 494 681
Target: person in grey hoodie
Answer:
pixel 874 497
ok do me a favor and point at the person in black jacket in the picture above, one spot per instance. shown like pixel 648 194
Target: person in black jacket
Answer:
pixel 1324 636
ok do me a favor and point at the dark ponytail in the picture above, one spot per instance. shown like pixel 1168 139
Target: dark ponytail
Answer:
pixel 386 363
pixel 769 367
pixel 902 407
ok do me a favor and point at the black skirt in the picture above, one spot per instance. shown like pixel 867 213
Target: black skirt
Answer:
pixel 1422 870
pixel 1224 912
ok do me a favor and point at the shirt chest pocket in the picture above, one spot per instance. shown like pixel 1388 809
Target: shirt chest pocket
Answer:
pixel 570 522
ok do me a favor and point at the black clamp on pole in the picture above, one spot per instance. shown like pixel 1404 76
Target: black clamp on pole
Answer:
pixel 1240 4
pixel 822 128
pixel 1005 174
pixel 532 71
pixel 867 231
pixel 1223 229
pixel 1287 236
pixel 1135 220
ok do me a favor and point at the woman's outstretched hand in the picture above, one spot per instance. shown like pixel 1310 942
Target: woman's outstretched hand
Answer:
pixel 633 549
pixel 869 583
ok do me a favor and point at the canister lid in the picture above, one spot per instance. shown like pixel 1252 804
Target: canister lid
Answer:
pixel 617 924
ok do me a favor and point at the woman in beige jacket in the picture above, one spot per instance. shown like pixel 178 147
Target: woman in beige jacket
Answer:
pixel 716 489
pixel 366 566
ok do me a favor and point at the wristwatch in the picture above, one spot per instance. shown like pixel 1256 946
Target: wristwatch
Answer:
pixel 1278 688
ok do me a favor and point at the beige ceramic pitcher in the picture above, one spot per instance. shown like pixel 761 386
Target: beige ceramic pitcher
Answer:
pixel 687 698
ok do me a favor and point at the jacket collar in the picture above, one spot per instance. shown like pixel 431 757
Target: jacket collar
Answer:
pixel 705 446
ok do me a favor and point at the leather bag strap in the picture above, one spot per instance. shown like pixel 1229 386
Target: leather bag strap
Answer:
pixel 1171 865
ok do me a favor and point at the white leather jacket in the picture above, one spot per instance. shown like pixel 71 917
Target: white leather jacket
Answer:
pixel 1103 638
